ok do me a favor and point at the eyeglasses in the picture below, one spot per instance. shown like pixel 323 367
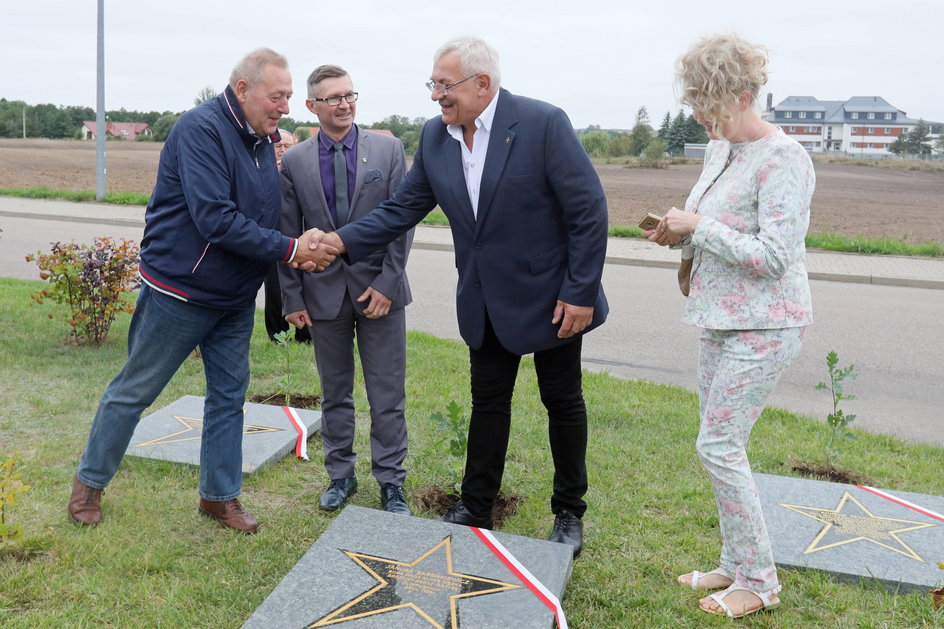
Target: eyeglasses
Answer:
pixel 283 145
pixel 435 87
pixel 334 101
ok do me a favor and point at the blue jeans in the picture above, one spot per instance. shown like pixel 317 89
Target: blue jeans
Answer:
pixel 164 330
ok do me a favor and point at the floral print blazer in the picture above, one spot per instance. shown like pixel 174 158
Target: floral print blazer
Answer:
pixel 749 270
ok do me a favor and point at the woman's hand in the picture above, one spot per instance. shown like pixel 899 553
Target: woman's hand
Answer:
pixel 663 234
pixel 681 223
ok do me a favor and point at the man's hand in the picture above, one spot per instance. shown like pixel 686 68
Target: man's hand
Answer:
pixel 332 239
pixel 299 319
pixel 312 253
pixel 575 319
pixel 379 304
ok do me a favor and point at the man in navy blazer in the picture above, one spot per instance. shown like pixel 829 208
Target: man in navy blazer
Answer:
pixel 529 226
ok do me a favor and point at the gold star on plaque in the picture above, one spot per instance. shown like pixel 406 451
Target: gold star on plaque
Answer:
pixel 193 429
pixel 428 585
pixel 851 522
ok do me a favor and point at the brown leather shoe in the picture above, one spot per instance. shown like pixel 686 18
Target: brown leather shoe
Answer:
pixel 85 506
pixel 230 514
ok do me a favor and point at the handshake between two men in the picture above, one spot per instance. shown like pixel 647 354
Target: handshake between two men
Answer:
pixel 317 250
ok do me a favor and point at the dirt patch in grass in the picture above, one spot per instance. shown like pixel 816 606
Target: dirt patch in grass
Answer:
pixel 296 400
pixel 438 500
pixel 829 473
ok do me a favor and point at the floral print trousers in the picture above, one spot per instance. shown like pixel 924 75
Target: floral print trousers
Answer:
pixel 737 370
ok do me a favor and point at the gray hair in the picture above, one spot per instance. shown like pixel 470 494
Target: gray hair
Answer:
pixel 252 67
pixel 321 73
pixel 475 55
pixel 286 134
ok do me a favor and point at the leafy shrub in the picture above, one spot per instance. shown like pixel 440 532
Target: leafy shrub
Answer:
pixel 653 156
pixel 455 430
pixel 10 486
pixel 838 420
pixel 91 280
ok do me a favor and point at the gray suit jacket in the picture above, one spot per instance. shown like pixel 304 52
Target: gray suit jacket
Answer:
pixel 381 165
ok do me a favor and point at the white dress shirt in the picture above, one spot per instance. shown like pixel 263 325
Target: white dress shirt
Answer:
pixel 473 161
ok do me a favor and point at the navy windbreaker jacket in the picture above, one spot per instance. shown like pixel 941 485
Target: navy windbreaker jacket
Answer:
pixel 210 230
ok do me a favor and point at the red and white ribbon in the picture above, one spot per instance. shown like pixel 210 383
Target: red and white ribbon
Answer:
pixel 301 444
pixel 524 575
pixel 903 502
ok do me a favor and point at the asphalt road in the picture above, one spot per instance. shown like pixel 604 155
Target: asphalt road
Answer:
pixel 893 335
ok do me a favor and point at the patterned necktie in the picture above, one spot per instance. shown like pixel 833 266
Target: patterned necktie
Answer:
pixel 342 207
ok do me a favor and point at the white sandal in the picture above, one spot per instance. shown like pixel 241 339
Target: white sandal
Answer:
pixel 765 599
pixel 696 575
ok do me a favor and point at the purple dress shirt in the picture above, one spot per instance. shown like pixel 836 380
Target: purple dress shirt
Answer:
pixel 326 162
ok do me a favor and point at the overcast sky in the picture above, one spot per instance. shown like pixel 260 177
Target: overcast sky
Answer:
pixel 600 60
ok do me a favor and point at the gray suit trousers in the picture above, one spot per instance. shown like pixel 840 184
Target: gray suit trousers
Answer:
pixel 381 344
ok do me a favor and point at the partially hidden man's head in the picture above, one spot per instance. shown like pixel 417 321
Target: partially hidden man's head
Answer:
pixel 331 97
pixel 466 76
pixel 286 142
pixel 263 85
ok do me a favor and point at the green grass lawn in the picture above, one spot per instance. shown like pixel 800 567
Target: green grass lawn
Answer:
pixel 154 562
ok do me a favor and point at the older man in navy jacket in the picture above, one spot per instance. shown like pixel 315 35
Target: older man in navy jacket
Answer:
pixel 209 237
pixel 529 225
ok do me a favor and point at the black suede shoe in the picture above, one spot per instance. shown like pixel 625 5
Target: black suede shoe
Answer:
pixel 458 514
pixel 393 500
pixel 338 492
pixel 568 529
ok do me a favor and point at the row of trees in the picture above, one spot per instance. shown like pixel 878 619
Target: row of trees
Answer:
pixel 673 134
pixel 57 122
pixel 60 122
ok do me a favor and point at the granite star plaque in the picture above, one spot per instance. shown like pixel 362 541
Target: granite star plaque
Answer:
pixel 372 569
pixel 855 532
pixel 173 433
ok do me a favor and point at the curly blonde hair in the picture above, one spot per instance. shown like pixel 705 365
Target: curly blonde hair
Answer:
pixel 716 70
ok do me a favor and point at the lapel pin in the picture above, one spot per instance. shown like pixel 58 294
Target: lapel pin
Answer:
pixel 507 140
pixel 364 159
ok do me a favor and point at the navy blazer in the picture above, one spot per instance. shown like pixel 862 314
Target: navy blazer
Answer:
pixel 541 230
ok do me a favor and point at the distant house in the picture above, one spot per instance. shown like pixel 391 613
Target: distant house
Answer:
pixel 125 130
pixel 862 125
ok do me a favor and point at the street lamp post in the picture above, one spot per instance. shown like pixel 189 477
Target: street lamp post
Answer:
pixel 100 108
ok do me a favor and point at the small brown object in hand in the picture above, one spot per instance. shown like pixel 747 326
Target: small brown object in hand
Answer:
pixel 650 221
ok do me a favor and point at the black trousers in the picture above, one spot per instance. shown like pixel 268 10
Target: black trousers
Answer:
pixel 493 371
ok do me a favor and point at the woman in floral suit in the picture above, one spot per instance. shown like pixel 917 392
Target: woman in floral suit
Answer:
pixel 746 220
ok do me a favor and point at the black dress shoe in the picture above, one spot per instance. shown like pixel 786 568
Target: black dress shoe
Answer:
pixel 458 514
pixel 568 529
pixel 338 492
pixel 393 500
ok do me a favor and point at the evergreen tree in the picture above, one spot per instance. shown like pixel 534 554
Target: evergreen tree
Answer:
pixel 918 142
pixel 675 138
pixel 664 127
pixel 695 133
pixel 900 145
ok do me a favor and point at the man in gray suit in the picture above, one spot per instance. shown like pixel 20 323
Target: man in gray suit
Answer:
pixel 335 177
